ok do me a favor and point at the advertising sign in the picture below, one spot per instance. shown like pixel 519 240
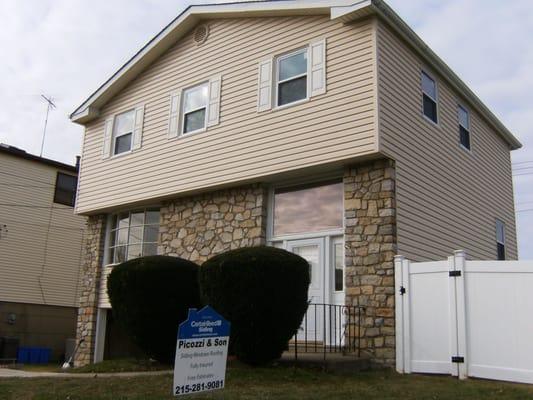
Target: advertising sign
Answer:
pixel 201 352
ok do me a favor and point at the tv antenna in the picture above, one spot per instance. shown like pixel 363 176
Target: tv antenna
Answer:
pixel 49 106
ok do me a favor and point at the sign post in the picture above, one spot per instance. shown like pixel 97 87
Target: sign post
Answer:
pixel 201 352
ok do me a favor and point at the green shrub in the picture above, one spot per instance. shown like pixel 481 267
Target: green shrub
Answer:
pixel 262 291
pixel 150 297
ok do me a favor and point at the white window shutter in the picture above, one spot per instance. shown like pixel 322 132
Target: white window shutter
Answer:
pixel 264 96
pixel 213 113
pixel 108 137
pixel 174 118
pixel 317 61
pixel 138 128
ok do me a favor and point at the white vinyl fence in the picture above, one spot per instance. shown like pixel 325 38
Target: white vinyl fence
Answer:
pixel 465 318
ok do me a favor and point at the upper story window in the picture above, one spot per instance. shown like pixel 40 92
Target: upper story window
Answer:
pixel 306 209
pixel 500 239
pixel 195 109
pixel 65 190
pixel 195 101
pixel 291 79
pixel 429 97
pixel 133 234
pixel 123 132
pixel 464 127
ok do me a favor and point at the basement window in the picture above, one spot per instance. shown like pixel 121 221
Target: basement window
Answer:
pixel 500 239
pixel 429 97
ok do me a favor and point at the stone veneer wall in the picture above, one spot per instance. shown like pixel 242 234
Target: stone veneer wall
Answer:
pixel 89 284
pixel 199 227
pixel 370 242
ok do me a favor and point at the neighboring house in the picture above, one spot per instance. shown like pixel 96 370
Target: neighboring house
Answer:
pixel 40 251
pixel 324 127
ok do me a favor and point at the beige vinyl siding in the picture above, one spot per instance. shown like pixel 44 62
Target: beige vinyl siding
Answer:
pixel 246 145
pixel 40 255
pixel 447 198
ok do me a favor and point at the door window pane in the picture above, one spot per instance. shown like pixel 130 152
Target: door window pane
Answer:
pixel 339 268
pixel 308 209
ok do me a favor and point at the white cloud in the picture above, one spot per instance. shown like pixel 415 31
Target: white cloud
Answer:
pixel 67 48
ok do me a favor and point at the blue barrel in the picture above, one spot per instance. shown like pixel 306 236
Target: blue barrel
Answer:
pixel 44 355
pixel 23 355
pixel 35 355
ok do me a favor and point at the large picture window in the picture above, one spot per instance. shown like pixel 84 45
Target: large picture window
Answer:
pixel 133 234
pixel 308 209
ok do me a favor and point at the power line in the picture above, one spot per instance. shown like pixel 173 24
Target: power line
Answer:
pixel 24 186
pixel 43 225
pixel 529 209
pixel 35 206
pixel 523 162
pixel 25 177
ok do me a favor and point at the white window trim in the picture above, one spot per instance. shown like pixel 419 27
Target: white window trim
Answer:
pixel 114 136
pixel 182 132
pixel 277 82
pixel 436 99
pixel 109 230
pixel 459 105
pixel 334 242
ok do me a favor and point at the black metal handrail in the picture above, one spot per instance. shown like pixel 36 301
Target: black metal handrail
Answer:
pixel 329 328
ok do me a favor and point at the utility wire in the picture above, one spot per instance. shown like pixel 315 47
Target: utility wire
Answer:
pixel 35 206
pixel 11 221
pixel 529 209
pixel 24 186
pixel 25 177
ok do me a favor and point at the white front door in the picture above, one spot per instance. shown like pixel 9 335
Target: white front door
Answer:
pixel 313 251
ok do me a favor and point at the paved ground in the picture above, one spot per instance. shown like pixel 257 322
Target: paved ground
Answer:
pixel 16 373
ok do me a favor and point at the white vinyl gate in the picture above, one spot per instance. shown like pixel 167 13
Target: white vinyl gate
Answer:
pixel 465 318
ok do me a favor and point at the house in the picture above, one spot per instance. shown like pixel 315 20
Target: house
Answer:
pixel 40 247
pixel 324 127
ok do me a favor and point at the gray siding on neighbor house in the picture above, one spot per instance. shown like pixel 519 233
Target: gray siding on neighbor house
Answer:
pixel 246 145
pixel 40 255
pixel 447 198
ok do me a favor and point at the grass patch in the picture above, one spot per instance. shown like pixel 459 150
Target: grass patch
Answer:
pixel 270 383
pixel 125 365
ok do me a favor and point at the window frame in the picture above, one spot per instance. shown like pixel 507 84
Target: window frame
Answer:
pixel 114 135
pixel 111 231
pixel 435 100
pixel 467 129
pixel 56 200
pixel 277 81
pixel 500 223
pixel 183 114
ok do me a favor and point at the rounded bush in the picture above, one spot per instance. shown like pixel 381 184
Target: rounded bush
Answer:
pixel 262 291
pixel 150 297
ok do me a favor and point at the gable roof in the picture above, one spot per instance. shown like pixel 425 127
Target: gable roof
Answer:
pixel 342 10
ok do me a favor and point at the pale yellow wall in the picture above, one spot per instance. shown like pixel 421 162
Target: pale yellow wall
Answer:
pixel 448 198
pixel 40 255
pixel 246 145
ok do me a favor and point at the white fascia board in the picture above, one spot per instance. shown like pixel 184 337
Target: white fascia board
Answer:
pixel 178 27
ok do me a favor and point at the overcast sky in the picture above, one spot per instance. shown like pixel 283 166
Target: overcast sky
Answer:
pixel 67 48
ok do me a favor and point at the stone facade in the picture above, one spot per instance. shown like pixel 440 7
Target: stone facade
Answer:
pixel 199 227
pixel 89 284
pixel 370 242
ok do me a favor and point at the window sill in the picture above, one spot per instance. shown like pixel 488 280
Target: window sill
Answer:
pixel 430 121
pixel 465 149
pixel 196 132
pixel 115 156
pixel 293 104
